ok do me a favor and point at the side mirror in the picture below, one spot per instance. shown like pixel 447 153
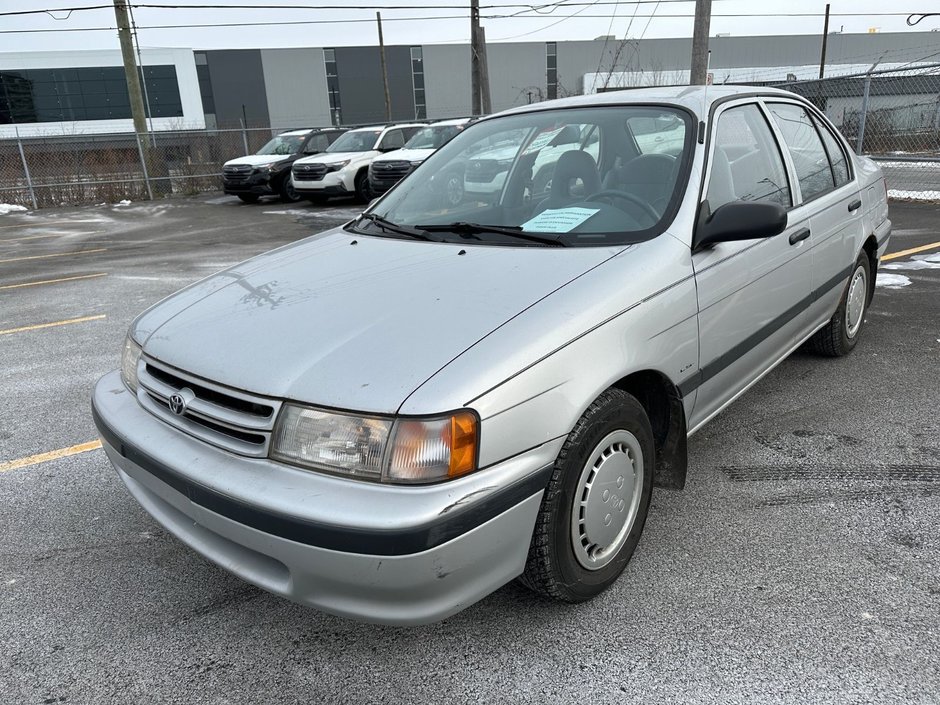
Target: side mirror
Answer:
pixel 739 220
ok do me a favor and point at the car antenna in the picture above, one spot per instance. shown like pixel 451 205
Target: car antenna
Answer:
pixel 701 125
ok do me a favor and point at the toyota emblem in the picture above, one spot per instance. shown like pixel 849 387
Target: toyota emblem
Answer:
pixel 178 404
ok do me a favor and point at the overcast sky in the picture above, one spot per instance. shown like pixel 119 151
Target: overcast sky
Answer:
pixel 572 19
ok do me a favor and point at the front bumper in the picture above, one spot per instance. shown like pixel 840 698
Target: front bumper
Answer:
pixel 258 184
pixel 379 553
pixel 334 183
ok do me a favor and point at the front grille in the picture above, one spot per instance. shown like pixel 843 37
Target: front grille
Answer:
pixel 216 414
pixel 482 171
pixel 390 171
pixel 309 172
pixel 236 174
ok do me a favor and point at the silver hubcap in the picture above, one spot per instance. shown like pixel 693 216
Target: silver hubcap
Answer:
pixel 607 499
pixel 855 302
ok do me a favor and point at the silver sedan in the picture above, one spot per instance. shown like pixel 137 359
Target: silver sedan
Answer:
pixel 391 419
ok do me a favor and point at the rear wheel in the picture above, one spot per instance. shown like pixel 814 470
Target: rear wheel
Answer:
pixel 287 192
pixel 595 506
pixel 248 197
pixel 840 335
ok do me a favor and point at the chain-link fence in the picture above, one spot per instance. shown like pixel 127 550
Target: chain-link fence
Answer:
pixel 74 169
pixel 891 115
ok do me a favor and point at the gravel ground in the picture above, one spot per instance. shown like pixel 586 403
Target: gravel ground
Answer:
pixel 800 564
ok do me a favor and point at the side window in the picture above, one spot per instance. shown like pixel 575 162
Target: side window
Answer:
pixel 333 136
pixel 394 139
pixel 746 163
pixel 806 149
pixel 317 144
pixel 410 132
pixel 840 168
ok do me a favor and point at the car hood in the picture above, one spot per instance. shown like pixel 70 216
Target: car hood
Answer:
pixel 330 157
pixel 255 159
pixel 409 155
pixel 351 321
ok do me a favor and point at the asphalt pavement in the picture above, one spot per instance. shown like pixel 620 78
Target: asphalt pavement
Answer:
pixel 801 564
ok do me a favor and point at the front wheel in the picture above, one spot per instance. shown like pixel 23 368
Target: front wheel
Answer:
pixel 840 335
pixel 363 193
pixel 595 506
pixel 287 192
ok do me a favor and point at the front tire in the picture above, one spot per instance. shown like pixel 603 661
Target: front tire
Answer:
pixel 840 335
pixel 595 506
pixel 287 192
pixel 363 193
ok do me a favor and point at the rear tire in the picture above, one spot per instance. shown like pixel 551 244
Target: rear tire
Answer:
pixel 248 197
pixel 595 506
pixel 840 335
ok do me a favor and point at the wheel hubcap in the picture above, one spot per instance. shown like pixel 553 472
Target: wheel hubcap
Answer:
pixel 855 302
pixel 607 499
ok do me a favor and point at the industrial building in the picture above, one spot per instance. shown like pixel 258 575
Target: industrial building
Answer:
pixel 46 93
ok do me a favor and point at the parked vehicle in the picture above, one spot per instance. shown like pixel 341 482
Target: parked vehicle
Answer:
pixel 391 419
pixel 388 169
pixel 267 172
pixel 343 170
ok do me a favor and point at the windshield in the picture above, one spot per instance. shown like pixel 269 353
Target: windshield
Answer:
pixel 433 137
pixel 356 141
pixel 283 144
pixel 578 176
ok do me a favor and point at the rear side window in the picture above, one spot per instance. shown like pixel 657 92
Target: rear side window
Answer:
pixel 746 164
pixel 840 168
pixel 806 149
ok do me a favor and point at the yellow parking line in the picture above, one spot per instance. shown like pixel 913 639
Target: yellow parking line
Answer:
pixel 913 250
pixel 51 455
pixel 58 254
pixel 53 281
pixel 50 325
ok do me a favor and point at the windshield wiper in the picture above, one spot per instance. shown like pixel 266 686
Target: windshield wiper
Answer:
pixel 390 227
pixel 474 229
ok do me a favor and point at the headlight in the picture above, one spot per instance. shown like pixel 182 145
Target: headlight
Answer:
pixel 267 166
pixel 129 358
pixel 336 166
pixel 390 450
pixel 417 163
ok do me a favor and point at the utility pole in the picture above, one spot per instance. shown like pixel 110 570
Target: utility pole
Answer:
pixel 388 99
pixel 822 56
pixel 703 16
pixel 130 67
pixel 484 74
pixel 476 73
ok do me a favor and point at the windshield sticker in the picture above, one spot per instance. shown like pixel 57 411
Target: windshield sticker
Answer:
pixel 558 220
pixel 542 140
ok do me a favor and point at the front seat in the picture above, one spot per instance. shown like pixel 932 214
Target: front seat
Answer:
pixel 571 166
pixel 650 177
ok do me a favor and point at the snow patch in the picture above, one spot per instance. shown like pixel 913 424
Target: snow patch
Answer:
pixel 892 281
pixel 931 261
pixel 903 195
pixel 6 208
pixel 125 202
pixel 289 211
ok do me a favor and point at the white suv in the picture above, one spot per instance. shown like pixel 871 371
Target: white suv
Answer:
pixel 343 169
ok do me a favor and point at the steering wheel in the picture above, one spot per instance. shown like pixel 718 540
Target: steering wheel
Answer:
pixel 627 196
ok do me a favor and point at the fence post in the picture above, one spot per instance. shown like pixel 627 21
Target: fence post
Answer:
pixel 143 163
pixel 244 136
pixel 29 180
pixel 860 144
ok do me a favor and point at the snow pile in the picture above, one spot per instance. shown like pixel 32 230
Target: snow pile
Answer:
pixel 903 195
pixel 125 202
pixel 891 281
pixel 6 208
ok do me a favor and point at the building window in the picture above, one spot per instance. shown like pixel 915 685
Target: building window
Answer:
pixel 332 85
pixel 417 82
pixel 205 88
pixel 76 94
pixel 551 69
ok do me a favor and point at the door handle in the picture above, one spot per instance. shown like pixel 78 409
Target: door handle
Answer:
pixel 800 234
pixel 855 205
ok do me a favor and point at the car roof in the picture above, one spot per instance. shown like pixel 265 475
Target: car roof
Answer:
pixel 308 130
pixel 694 98
pixel 455 121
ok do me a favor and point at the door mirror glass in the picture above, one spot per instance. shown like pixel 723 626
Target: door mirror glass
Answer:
pixel 740 220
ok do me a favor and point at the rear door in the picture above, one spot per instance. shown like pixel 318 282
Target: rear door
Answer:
pixel 829 199
pixel 751 294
